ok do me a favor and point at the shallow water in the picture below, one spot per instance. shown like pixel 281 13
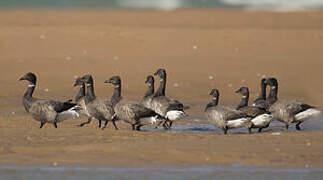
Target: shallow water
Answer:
pixel 224 173
pixel 281 5
pixel 199 126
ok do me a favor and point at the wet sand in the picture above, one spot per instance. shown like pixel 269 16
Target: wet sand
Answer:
pixel 201 49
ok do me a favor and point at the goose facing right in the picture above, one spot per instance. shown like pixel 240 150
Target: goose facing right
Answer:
pixel 288 111
pixel 225 117
pixel 46 110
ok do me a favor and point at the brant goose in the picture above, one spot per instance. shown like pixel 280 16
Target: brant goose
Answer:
pixel 80 98
pixel 260 119
pixel 287 111
pixel 225 117
pixel 164 106
pixel 130 112
pixel 46 110
pixel 261 100
pixel 98 108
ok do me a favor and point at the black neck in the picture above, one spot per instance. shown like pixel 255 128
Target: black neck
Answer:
pixel 90 95
pixel 263 91
pixel 116 97
pixel 150 90
pixel 161 89
pixel 213 103
pixel 272 97
pixel 80 94
pixel 244 101
pixel 28 96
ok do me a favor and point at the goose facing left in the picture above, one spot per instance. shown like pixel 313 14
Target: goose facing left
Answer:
pixel 288 111
pixel 225 117
pixel 46 110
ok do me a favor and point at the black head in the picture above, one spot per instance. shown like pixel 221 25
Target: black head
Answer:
pixel 31 77
pixel 115 80
pixel 150 80
pixel 161 73
pixel 243 91
pixel 215 93
pixel 272 82
pixel 87 79
pixel 78 82
pixel 263 81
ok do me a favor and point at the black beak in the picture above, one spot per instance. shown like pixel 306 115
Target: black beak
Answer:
pixel 156 73
pixel 75 84
pixel 22 78
pixel 108 81
pixel 238 91
pixel 146 81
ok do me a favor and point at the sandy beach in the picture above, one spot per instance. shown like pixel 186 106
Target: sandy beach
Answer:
pixel 201 49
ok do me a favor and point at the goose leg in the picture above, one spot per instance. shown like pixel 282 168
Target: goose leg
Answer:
pixel 249 130
pixel 100 123
pixel 159 123
pixel 55 124
pixel 138 127
pixel 41 125
pixel 114 124
pixel 170 124
pixel 297 126
pixel 286 126
pixel 87 122
pixel 133 127
pixel 259 130
pixel 225 130
pixel 105 124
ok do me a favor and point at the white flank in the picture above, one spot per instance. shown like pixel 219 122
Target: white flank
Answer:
pixel 262 120
pixel 302 116
pixel 69 114
pixel 148 120
pixel 175 115
pixel 242 122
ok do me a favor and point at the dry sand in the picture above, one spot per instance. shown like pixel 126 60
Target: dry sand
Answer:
pixel 201 49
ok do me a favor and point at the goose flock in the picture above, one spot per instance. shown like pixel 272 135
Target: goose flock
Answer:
pixel 157 108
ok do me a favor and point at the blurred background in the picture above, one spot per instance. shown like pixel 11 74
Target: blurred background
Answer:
pixel 274 5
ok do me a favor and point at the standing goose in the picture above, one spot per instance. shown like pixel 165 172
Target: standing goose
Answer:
pixel 260 119
pixel 148 96
pixel 166 107
pixel 80 98
pixel 46 110
pixel 130 112
pixel 288 111
pixel 150 91
pixel 225 117
pixel 261 100
pixel 98 108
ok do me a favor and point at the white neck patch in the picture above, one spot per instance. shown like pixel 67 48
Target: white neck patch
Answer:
pixel 88 84
pixel 149 84
pixel 244 96
pixel 273 87
pixel 117 86
pixel 214 98
pixel 31 85
pixel 161 80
